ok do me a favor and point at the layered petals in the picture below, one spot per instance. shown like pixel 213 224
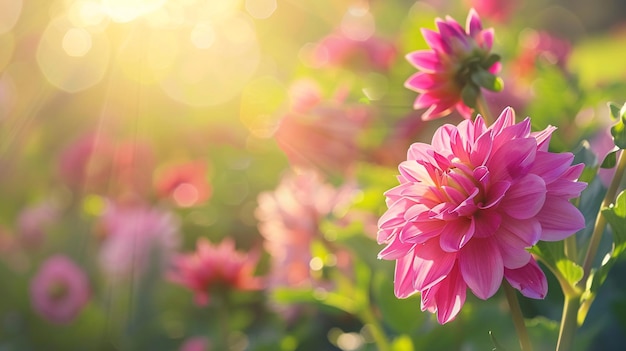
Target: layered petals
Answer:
pixel 446 69
pixel 471 205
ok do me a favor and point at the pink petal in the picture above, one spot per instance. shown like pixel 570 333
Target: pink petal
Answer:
pixel 394 216
pixel 543 137
pixel 423 100
pixel 495 194
pixel 566 188
pixel 551 166
pixel 512 249
pixel 525 197
pixel 421 82
pixel 441 139
pixel 529 280
pixel 486 223
pixel 414 171
pixel 559 219
pixel 513 159
pixel 449 297
pixel 456 234
pixel 404 276
pixel 396 249
pixel 528 230
pixel 481 150
pixel 485 39
pixel 425 60
pixel 431 264
pixel 482 267
pixel 419 151
pixel 433 39
pixel 506 119
pixel 420 232
pixel 473 25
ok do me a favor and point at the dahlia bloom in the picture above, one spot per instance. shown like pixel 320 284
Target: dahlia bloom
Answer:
pixel 322 135
pixel 470 205
pixel 59 290
pixel 454 70
pixel 186 184
pixel 132 235
pixel 214 266
pixel 289 219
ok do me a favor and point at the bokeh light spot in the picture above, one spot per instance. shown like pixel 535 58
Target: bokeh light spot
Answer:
pixel 185 195
pixel 202 36
pixel 9 14
pixel 77 42
pixel 358 24
pixel 128 10
pixel 261 9
pixel 259 100
pixel 68 59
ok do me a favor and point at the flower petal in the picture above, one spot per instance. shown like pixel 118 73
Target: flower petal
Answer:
pixel 513 159
pixel 425 60
pixel 431 264
pixel 559 219
pixel 482 267
pixel 447 298
pixel 512 249
pixel 456 234
pixel 529 280
pixel 395 250
pixel 525 197
pixel 404 276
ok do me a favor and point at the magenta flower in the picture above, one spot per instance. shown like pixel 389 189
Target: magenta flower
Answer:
pixel 196 343
pixel 186 183
pixel 454 70
pixel 470 205
pixel 214 266
pixel 134 235
pixel 289 219
pixel 59 290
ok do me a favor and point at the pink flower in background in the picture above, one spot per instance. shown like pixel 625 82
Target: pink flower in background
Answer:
pixel 470 205
pixel 458 64
pixel 33 223
pixel 289 219
pixel 497 10
pixel 59 290
pixel 186 184
pixel 339 50
pixel 85 163
pixel 540 45
pixel 196 343
pixel 133 236
pixel 212 266
pixel 322 136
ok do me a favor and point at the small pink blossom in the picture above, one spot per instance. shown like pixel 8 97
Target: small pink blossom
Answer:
pixel 134 235
pixel 196 343
pixel 454 67
pixel 186 184
pixel 540 45
pixel 497 10
pixel 289 219
pixel 59 290
pixel 213 266
pixel 470 205
pixel 339 50
pixel 34 222
pixel 321 135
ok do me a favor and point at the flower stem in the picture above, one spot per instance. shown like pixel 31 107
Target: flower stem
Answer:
pixel 518 318
pixel 569 323
pixel 600 223
pixel 483 109
pixel 368 318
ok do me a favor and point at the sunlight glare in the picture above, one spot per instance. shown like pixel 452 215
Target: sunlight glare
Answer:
pixel 9 14
pixel 261 9
pixel 203 35
pixel 77 42
pixel 128 10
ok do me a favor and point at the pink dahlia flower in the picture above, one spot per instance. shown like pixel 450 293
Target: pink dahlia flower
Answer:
pixel 214 266
pixel 196 343
pixel 454 70
pixel 133 236
pixel 470 205
pixel 59 290
pixel 289 219
pixel 186 184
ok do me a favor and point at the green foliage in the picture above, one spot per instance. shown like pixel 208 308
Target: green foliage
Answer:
pixel 618 130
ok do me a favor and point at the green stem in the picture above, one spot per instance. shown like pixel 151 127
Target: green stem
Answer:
pixel 517 316
pixel 569 323
pixel 483 109
pixel 600 223
pixel 380 338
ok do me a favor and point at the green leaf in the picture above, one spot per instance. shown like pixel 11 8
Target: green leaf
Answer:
pixel 610 160
pixel 553 255
pixel 402 315
pixel 493 58
pixel 583 154
pixel 487 80
pixel 469 94
pixel 614 110
pixel 618 131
